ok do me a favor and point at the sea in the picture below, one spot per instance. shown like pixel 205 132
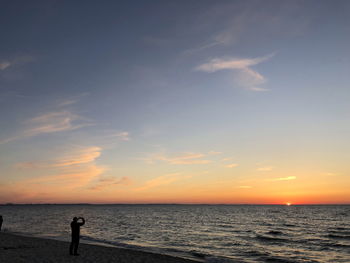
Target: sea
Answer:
pixel 206 233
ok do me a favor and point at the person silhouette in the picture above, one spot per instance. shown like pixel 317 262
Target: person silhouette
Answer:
pixel 1 220
pixel 75 226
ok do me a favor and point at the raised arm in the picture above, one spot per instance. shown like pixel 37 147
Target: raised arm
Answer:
pixel 83 221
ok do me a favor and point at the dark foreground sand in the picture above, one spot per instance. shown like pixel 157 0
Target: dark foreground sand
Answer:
pixel 14 248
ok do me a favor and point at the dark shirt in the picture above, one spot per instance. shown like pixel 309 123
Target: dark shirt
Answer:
pixel 75 226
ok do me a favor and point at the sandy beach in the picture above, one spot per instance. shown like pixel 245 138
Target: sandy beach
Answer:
pixel 15 248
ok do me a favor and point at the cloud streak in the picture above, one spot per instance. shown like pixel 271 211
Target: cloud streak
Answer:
pixel 228 36
pixel 54 122
pixel 7 63
pixel 232 165
pixel 4 64
pixel 187 158
pixel 124 136
pixel 74 159
pixel 264 168
pixel 161 181
pixel 245 75
pixel 76 170
pixel 83 156
pixel 51 122
pixel 105 182
pixel 284 178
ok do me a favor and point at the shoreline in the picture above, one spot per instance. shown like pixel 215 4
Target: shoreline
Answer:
pixel 19 248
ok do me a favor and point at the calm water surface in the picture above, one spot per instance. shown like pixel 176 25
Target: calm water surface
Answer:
pixel 212 233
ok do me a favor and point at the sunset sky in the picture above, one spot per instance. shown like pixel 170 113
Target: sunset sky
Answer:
pixel 175 101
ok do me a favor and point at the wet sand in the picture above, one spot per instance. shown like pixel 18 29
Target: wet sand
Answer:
pixel 15 248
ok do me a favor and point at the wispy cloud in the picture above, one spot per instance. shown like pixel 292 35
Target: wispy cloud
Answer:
pixel 67 102
pixel 245 187
pixel 51 122
pixel 284 178
pixel 217 64
pixel 71 159
pixel 55 122
pixel 232 165
pixel 71 100
pixel 186 158
pixel 75 169
pixel 30 165
pixel 7 63
pixel 4 64
pixel 245 76
pixel 107 181
pixel 124 136
pixel 161 181
pixel 82 156
pixel 189 158
pixel 227 36
pixel 69 179
pixel 265 168
pixel 250 79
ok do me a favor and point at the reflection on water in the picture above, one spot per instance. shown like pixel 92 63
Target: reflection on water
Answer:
pixel 244 233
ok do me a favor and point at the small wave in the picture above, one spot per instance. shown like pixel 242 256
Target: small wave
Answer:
pixel 270 239
pixel 166 251
pixel 342 228
pixel 267 224
pixel 339 232
pixel 262 256
pixel 342 214
pixel 225 225
pixel 347 237
pixel 275 233
pixel 220 260
pixel 278 259
pixel 111 243
pixel 275 211
pixel 339 245
pixel 231 244
pixel 198 254
pixel 256 253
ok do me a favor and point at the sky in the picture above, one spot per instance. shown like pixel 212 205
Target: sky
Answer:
pixel 230 102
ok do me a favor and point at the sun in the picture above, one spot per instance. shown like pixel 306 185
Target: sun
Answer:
pixel 288 203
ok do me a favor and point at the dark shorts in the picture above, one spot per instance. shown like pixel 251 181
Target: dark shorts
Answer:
pixel 75 239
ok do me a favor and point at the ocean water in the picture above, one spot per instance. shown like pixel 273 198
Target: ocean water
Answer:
pixel 208 233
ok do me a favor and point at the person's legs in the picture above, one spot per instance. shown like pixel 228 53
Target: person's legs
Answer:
pixel 76 244
pixel 71 247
